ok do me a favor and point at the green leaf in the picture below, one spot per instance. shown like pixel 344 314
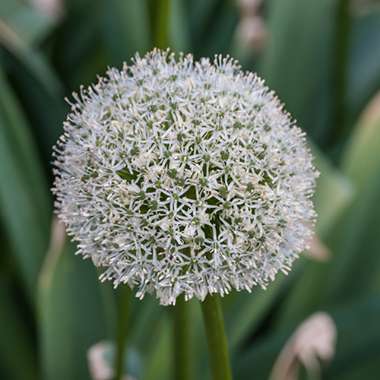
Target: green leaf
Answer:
pixel 17 352
pixel 29 23
pixel 218 36
pixel 39 89
pixel 356 240
pixel 179 26
pixel 145 319
pixel 43 105
pixel 298 58
pixel 357 349
pixel 158 363
pixel 126 29
pixel 333 193
pixel 246 311
pixel 364 68
pixel 77 48
pixel 36 63
pixel 72 316
pixel 212 26
pixel 362 161
pixel 24 199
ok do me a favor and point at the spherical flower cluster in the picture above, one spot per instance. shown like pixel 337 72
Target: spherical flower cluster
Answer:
pixel 183 177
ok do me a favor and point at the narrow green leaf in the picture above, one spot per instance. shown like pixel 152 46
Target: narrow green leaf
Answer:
pixel 334 192
pixel 247 310
pixel 17 352
pixel 358 349
pixel 364 68
pixel 39 89
pixel 35 62
pixel 146 317
pixel 44 106
pixel 357 241
pixel 297 60
pixel 158 363
pixel 126 29
pixel 210 26
pixel 179 27
pixel 72 317
pixel 27 21
pixel 24 199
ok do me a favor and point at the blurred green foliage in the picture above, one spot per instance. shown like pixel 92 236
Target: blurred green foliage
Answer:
pixel 321 57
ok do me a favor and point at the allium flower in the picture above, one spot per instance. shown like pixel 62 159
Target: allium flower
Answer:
pixel 183 177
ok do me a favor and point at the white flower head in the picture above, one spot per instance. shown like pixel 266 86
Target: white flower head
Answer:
pixel 183 177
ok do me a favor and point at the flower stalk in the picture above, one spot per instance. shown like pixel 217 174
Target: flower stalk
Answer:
pixel 124 302
pixel 182 338
pixel 216 337
pixel 340 74
pixel 162 24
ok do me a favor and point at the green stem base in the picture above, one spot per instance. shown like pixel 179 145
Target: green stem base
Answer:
pixel 216 337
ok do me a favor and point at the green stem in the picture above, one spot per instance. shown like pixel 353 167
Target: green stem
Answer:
pixel 340 71
pixel 182 338
pixel 162 24
pixel 217 341
pixel 124 295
